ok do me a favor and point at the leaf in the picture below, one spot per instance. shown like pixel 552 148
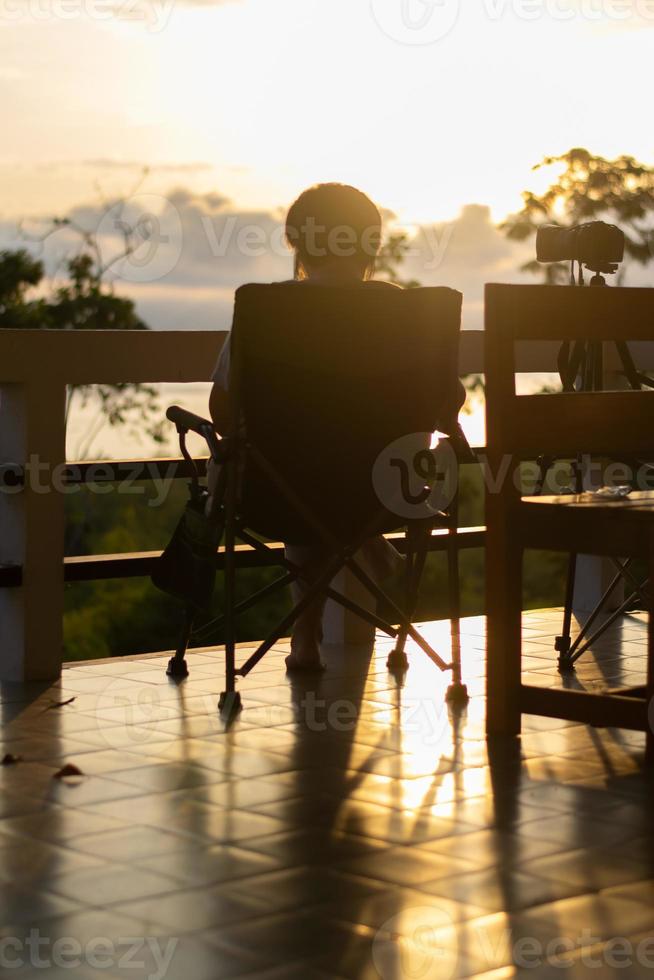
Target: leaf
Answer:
pixel 66 771
pixel 60 704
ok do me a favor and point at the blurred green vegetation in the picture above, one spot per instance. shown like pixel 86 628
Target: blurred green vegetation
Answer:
pixel 128 616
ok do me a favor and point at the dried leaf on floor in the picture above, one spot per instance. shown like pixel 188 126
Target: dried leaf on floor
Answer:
pixel 60 704
pixel 68 770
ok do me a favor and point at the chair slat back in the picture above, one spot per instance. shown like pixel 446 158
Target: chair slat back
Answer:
pixel 564 424
pixel 329 376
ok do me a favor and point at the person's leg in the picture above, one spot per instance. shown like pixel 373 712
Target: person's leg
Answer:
pixel 307 631
pixel 382 559
pixel 214 471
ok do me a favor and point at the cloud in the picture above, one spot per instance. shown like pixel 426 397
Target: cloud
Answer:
pixel 206 247
pixel 138 166
pixel 196 249
pixel 221 247
pixel 107 163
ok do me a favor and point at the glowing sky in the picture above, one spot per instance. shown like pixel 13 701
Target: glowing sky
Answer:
pixel 258 98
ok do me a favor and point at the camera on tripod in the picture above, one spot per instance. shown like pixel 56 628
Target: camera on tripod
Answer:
pixel 595 244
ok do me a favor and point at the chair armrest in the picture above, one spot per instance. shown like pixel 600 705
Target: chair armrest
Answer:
pixel 188 420
pixel 185 421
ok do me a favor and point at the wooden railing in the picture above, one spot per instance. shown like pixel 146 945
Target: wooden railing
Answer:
pixel 36 366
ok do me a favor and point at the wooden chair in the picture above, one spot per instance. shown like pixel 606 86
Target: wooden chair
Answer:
pixel 606 424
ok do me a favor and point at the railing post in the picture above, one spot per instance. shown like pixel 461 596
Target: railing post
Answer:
pixel 32 434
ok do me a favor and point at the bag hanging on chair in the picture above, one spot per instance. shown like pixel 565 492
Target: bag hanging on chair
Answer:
pixel 187 567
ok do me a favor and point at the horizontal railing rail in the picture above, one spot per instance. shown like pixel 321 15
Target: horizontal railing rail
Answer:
pixel 86 568
pixel 99 567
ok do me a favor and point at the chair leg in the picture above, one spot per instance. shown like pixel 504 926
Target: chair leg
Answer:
pixel 382 596
pixel 503 625
pixel 649 737
pixel 177 666
pixel 457 692
pixel 230 699
pixel 398 662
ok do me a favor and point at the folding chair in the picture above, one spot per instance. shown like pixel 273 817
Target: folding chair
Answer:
pixel 322 380
pixel 607 425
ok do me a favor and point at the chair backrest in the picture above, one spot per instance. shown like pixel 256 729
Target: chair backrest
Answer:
pixel 566 423
pixel 326 377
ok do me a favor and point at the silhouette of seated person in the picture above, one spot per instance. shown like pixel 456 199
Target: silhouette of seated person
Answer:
pixel 335 233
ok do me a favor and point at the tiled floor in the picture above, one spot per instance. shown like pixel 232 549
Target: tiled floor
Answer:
pixel 342 828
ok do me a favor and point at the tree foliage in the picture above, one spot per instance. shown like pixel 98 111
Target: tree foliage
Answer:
pixel 19 273
pixel 84 301
pixel 391 256
pixel 590 188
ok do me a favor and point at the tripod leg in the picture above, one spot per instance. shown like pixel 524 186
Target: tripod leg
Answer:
pixel 628 365
pixel 230 699
pixel 177 666
pixel 563 643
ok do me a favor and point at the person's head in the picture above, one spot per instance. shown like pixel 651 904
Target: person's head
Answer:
pixel 334 230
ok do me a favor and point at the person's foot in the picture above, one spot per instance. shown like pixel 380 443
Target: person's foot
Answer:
pixel 305 648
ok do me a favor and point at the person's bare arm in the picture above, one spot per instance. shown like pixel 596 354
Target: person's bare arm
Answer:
pixel 448 419
pixel 219 409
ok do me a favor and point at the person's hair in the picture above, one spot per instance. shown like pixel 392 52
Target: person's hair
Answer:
pixel 332 222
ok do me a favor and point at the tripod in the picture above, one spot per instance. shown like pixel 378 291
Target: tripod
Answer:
pixel 581 368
